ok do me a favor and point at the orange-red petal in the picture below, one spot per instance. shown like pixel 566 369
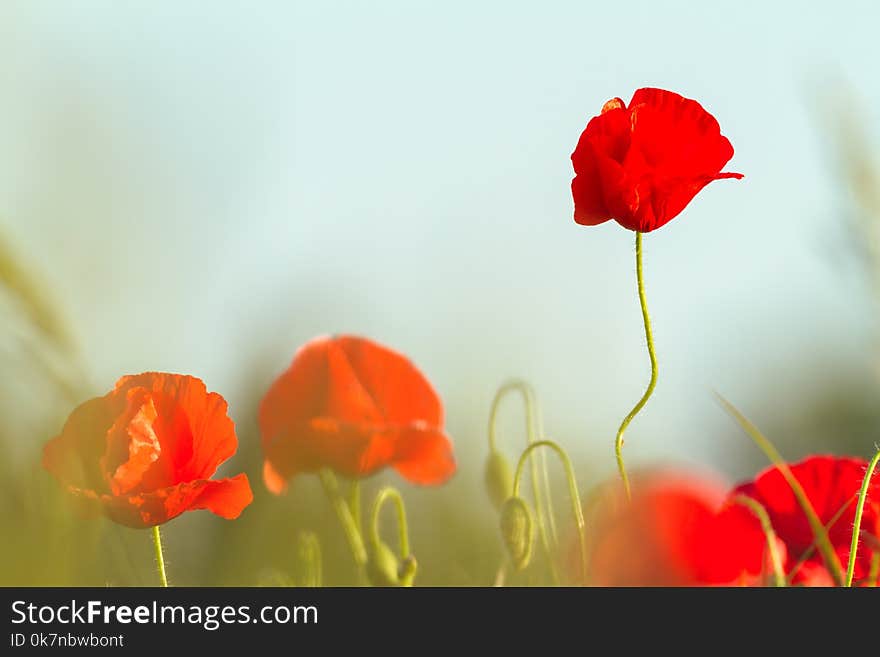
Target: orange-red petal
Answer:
pixel 355 406
pixel 223 497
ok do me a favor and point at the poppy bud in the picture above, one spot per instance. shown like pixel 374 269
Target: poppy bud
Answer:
pixel 517 531
pixel 383 568
pixel 499 478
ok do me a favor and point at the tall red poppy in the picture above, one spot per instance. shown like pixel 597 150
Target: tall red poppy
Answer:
pixel 146 451
pixel 832 485
pixel 642 163
pixel 355 406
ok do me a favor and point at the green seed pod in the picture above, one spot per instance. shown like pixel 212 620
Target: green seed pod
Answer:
pixel 499 478
pixel 383 569
pixel 517 531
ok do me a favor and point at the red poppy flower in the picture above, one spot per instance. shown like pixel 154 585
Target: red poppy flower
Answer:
pixel 670 534
pixel 641 164
pixel 145 452
pixel 832 485
pixel 355 406
pixel 675 531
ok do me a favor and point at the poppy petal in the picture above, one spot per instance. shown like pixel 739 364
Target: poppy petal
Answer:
pixel 344 403
pixel 74 456
pixel 202 435
pixel 424 456
pixel 400 391
pixel 300 393
pixel 648 159
pixel 132 444
pixel 224 497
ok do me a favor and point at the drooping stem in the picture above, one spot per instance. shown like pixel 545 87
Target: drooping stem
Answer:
pixel 160 560
pixel 577 511
pixel 775 560
pixel 390 493
pixel 343 513
pixel 533 433
pixel 857 521
pixel 649 338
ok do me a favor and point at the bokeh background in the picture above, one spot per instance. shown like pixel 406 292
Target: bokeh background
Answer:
pixel 200 187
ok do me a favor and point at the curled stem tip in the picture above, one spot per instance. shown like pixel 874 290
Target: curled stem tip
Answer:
pixel 649 339
pixel 403 533
pixel 540 491
pixel 772 548
pixel 385 569
pixel 577 510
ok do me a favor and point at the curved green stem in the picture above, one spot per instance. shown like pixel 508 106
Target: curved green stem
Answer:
pixel 649 338
pixel 548 496
pixel 823 543
pixel 775 560
pixel 533 433
pixel 343 512
pixel 160 560
pixel 857 521
pixel 390 493
pixel 577 511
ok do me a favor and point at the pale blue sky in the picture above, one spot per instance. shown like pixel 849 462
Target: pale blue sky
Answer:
pixel 206 186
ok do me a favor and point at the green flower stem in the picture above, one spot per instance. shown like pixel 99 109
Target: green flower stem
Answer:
pixel 649 338
pixel 775 560
pixel 857 521
pixel 160 560
pixel 354 504
pixel 385 494
pixel 820 534
pixel 577 511
pixel 533 431
pixel 343 512
pixel 309 548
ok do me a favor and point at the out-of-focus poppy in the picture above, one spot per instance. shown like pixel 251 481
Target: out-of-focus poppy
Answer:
pixel 146 451
pixel 355 406
pixel 642 163
pixel 670 534
pixel 676 531
pixel 832 484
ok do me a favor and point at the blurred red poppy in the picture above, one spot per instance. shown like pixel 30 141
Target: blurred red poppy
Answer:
pixel 642 163
pixel 832 485
pixel 352 405
pixel 146 451
pixel 676 531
